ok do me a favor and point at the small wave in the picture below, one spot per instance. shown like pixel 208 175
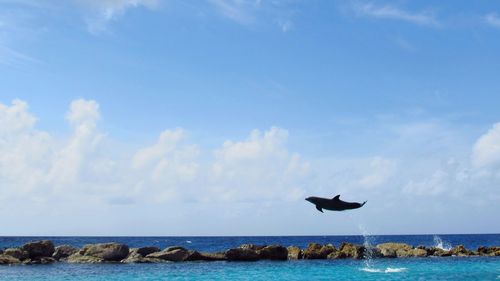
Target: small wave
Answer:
pixel 188 241
pixel 387 270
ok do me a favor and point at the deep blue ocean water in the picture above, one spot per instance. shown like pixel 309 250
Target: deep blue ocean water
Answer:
pixel 450 268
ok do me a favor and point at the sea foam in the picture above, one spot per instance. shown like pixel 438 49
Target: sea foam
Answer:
pixel 387 270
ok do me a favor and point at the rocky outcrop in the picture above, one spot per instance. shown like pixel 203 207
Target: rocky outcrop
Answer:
pixel 488 251
pixel 38 249
pixel 317 251
pixel 197 256
pixel 16 253
pixel 110 252
pixel 438 252
pixel 294 253
pixel 241 254
pixel 348 250
pixel 63 251
pixel 175 254
pixel 460 251
pixel 44 252
pixel 273 252
pixel 392 250
pixel 6 259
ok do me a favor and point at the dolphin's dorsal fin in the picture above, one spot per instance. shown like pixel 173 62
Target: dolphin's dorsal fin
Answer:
pixel 336 197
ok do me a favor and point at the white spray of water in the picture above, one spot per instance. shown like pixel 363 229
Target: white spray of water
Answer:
pixel 387 270
pixel 439 243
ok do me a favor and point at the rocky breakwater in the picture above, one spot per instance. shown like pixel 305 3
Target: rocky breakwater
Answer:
pixel 44 252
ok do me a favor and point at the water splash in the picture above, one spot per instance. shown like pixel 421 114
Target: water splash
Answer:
pixel 368 244
pixel 439 243
pixel 387 270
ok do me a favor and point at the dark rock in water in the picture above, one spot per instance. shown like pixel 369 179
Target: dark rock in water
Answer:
pixel 392 250
pixel 348 250
pixel 241 254
pixel 135 257
pixel 171 248
pixel 461 251
pixel 40 260
pixel 1 251
pixel 294 253
pixel 44 248
pixel 438 252
pixel 273 252
pixel 144 251
pixel 106 251
pixel 372 253
pixel 317 251
pixel 64 251
pixel 197 256
pixel 16 253
pixel 6 259
pixel 169 254
pixel 79 258
pixel 488 251
pixel 251 247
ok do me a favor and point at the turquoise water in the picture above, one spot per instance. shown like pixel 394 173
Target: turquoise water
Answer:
pixel 432 268
pixel 392 269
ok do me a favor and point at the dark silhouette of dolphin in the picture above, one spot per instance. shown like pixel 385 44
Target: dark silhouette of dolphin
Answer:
pixel 334 204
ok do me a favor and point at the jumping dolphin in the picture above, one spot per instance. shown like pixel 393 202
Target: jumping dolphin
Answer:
pixel 334 204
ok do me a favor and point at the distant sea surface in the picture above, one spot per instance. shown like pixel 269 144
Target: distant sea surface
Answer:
pixel 451 268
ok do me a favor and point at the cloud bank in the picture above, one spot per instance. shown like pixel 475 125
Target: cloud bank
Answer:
pixel 89 182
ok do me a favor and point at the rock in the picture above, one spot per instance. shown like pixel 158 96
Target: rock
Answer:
pixel 461 251
pixel 63 251
pixel 36 249
pixel 348 250
pixel 392 250
pixel 317 251
pixel 1 251
pixel 438 252
pixel 171 248
pixel 419 252
pixel 16 253
pixel 106 251
pixel 372 253
pixel 144 251
pixel 40 260
pixel 177 254
pixel 197 256
pixel 251 247
pixel 135 257
pixel 488 251
pixel 294 253
pixel 273 252
pixel 241 254
pixel 79 258
pixel 7 259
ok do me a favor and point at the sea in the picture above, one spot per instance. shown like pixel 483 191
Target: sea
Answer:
pixel 430 268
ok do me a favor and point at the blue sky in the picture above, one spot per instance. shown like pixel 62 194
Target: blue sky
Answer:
pixel 188 117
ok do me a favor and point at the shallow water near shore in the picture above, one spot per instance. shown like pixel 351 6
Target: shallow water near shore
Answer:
pixel 394 269
pixel 430 268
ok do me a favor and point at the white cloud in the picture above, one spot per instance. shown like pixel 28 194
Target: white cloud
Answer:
pixel 70 177
pixel 486 150
pixel 395 13
pixel 100 12
pixel 259 168
pixel 492 19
